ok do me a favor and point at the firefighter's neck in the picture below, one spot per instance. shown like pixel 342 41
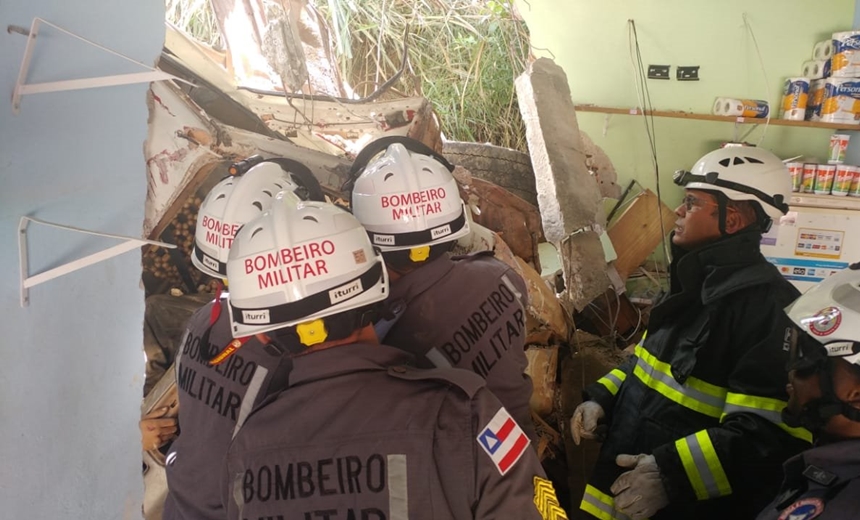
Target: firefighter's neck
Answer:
pixel 394 275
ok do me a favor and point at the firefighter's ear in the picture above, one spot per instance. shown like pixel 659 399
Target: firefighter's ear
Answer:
pixel 735 221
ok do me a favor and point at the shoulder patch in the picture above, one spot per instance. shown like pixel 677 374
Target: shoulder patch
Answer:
pixel 465 380
pixel 503 441
pixel 803 509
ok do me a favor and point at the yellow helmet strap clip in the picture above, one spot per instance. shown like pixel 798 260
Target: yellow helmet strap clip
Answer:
pixel 419 254
pixel 312 333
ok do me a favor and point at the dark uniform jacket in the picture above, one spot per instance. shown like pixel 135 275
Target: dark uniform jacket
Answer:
pixel 360 435
pixel 704 390
pixel 213 403
pixel 822 483
pixel 468 312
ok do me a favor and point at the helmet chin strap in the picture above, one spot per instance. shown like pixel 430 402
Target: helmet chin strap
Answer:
pixel 722 204
pixel 815 414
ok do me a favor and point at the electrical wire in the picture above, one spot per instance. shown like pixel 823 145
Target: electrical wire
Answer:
pixel 763 73
pixel 643 98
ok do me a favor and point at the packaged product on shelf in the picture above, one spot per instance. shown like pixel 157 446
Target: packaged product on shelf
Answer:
pixel 844 178
pixel 824 175
pixel 838 145
pixel 754 108
pixel 807 184
pixel 794 99
pixel 796 171
pixel 816 96
pixel 816 69
pixel 823 49
pixel 845 62
pixel 855 182
pixel 841 101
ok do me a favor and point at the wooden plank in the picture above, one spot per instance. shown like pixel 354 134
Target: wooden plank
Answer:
pixel 679 114
pixel 637 231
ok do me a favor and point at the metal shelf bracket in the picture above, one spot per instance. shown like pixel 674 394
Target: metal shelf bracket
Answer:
pixel 28 281
pixel 23 89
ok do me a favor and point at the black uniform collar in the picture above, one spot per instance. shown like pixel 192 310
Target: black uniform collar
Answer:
pixel 345 359
pixel 419 280
pixel 720 268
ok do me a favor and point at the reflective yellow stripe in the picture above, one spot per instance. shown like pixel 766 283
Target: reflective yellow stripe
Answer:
pixel 601 505
pixel 702 465
pixel 612 381
pixel 695 394
pixel 766 407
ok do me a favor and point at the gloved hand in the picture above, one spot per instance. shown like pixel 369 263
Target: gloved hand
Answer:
pixel 583 424
pixel 156 430
pixel 639 493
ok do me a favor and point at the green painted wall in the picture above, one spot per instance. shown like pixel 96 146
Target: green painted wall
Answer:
pixel 589 39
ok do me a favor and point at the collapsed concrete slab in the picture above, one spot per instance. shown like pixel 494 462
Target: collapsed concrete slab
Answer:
pixel 568 195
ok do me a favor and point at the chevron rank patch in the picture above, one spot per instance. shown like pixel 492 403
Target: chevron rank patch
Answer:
pixel 546 501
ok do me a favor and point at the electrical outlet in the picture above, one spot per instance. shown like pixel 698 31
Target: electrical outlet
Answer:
pixel 690 73
pixel 658 71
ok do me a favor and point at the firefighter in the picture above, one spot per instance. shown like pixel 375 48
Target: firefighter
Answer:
pixel 217 389
pixel 358 433
pixel 824 397
pixel 463 312
pixel 691 420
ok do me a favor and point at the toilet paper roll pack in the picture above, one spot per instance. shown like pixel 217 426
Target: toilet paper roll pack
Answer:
pixel 845 62
pixel 822 50
pixel 754 108
pixel 841 101
pixel 816 97
pixel 816 69
pixel 794 99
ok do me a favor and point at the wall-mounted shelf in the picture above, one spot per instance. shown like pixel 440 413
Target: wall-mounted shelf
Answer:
pixel 678 114
pixel 809 200
pixel 28 281
pixel 22 88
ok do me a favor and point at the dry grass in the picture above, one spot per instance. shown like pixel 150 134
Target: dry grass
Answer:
pixel 463 57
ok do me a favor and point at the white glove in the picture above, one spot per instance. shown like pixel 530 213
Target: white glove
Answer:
pixel 583 424
pixel 639 493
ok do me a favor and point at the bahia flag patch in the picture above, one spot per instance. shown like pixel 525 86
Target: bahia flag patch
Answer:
pixel 503 440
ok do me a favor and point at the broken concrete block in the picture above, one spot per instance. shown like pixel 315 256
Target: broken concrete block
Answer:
pixel 599 164
pixel 567 193
pixel 584 268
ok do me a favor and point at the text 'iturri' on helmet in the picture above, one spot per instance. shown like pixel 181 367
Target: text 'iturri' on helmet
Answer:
pixel 299 263
pixel 406 197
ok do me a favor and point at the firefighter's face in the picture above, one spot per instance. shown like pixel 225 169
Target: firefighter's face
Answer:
pixel 804 386
pixel 697 222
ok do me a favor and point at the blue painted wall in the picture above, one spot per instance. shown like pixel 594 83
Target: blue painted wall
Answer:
pixel 72 366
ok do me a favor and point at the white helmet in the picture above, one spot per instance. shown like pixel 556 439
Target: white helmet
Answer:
pixel 742 173
pixel 407 198
pixel 830 314
pixel 231 203
pixel 827 325
pixel 298 263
